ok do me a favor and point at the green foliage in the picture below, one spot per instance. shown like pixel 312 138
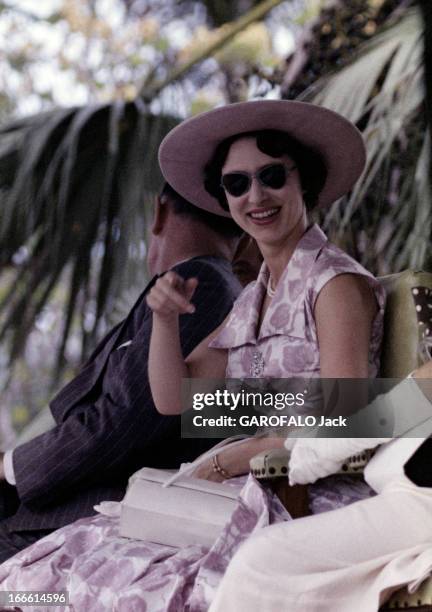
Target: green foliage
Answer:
pixel 77 188
pixel 386 220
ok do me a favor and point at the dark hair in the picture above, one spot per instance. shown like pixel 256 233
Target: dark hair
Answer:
pixel 274 143
pixel 221 225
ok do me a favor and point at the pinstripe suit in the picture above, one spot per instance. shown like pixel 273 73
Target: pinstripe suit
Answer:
pixel 106 423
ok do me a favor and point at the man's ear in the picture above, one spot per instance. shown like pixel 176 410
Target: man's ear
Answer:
pixel 160 215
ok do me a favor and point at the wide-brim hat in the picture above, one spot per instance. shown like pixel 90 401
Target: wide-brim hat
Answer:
pixel 185 150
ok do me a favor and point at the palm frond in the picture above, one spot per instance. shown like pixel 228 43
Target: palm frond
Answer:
pixel 382 91
pixel 77 186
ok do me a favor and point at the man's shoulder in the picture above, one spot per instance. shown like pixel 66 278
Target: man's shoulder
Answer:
pixel 217 284
pixel 212 272
pixel 209 268
pixel 205 263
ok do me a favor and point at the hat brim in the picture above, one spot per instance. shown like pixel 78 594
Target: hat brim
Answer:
pixel 185 151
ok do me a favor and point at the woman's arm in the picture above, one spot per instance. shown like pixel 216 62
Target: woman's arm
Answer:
pixel 344 312
pixel 235 461
pixel 170 297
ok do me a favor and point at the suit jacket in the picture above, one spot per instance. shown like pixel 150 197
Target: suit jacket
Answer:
pixel 107 426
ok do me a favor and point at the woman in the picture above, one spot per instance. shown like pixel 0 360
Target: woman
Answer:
pixel 313 311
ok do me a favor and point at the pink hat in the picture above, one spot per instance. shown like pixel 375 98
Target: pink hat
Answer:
pixel 185 151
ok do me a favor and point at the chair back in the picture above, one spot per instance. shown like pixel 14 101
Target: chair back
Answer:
pixel 403 332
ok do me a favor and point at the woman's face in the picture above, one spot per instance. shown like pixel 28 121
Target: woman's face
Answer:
pixel 269 215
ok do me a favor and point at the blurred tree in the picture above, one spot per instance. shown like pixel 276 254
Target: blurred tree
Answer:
pixel 332 40
pixel 83 52
pixel 369 56
pixel 217 12
pixel 90 51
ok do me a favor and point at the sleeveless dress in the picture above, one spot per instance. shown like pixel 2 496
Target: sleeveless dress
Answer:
pixel 287 342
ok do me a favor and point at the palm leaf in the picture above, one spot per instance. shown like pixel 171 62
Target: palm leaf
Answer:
pixel 382 90
pixel 77 186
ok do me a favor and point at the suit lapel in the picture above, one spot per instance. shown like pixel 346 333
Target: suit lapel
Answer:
pixel 90 374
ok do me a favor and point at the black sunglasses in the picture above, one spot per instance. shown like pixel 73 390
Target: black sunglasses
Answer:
pixel 273 176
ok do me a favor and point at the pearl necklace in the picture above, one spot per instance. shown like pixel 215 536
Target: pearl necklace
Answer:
pixel 270 290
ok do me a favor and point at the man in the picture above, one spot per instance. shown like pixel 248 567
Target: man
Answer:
pixel 106 424
pixel 353 558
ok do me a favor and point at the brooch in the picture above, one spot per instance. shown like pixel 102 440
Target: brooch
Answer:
pixel 257 364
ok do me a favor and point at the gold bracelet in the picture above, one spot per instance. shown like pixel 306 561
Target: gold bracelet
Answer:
pixel 220 470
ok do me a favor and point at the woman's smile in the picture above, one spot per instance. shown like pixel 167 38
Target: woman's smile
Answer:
pixel 264 215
